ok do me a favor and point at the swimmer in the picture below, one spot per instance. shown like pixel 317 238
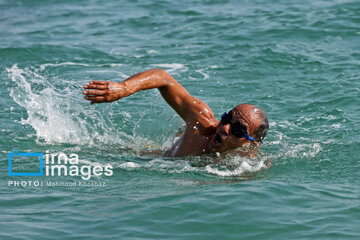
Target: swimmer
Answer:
pixel 243 126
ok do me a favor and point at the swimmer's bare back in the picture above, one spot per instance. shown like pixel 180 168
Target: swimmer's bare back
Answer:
pixel 199 118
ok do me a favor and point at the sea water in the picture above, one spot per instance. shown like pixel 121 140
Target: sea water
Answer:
pixel 299 61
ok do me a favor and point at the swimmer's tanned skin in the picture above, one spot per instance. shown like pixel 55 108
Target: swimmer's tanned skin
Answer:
pixel 203 132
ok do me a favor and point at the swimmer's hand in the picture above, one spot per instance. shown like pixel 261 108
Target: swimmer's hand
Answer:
pixel 104 91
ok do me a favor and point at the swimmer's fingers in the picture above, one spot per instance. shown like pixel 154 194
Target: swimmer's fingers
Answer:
pixel 95 86
pixel 100 82
pixel 95 92
pixel 101 85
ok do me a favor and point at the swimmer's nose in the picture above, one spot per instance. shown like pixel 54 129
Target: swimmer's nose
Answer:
pixel 226 129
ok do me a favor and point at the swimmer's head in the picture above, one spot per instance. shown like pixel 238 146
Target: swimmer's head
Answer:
pixel 244 124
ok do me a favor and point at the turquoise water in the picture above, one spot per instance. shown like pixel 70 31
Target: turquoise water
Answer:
pixel 297 60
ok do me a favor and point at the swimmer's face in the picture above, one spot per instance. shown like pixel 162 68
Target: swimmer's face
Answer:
pixel 224 138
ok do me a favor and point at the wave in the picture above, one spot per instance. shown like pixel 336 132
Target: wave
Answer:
pixel 59 115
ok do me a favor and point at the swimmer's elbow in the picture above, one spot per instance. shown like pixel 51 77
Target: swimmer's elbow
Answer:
pixel 159 72
pixel 164 76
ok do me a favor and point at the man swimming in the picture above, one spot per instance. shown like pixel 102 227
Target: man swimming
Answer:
pixel 244 125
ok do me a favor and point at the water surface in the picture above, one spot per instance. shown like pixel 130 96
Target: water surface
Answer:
pixel 298 61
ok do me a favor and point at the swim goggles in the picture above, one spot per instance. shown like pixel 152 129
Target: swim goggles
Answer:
pixel 238 129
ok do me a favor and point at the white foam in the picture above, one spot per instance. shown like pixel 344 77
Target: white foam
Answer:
pixel 300 150
pixel 245 167
pixel 228 165
pixel 129 165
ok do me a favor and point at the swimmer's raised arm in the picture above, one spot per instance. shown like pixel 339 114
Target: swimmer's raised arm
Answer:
pixel 188 107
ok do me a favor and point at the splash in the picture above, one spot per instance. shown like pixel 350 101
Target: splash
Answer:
pixel 47 113
pixel 285 147
pixel 226 165
pixel 59 114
